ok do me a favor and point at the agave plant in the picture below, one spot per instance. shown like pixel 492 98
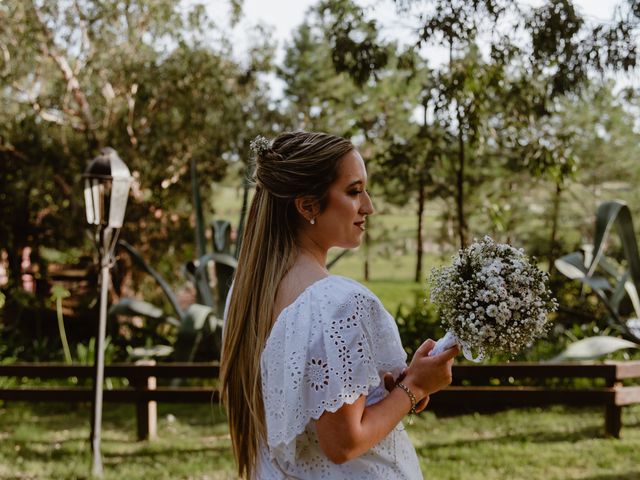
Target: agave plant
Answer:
pixel 203 319
pixel 199 320
pixel 610 280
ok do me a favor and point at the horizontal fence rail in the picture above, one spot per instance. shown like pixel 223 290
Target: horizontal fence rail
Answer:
pixel 494 386
pixel 122 370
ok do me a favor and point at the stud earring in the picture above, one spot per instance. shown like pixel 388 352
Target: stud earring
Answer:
pixel 312 221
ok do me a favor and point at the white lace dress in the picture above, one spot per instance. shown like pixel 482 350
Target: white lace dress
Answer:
pixel 331 345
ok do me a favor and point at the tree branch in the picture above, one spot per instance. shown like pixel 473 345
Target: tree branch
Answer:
pixel 131 103
pixel 32 101
pixel 49 48
pixel 86 41
pixel 6 58
pixel 10 149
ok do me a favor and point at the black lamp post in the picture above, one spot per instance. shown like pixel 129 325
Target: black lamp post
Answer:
pixel 106 188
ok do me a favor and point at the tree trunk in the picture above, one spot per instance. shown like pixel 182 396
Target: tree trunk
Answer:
pixel 509 227
pixel 462 226
pixel 419 250
pixel 243 213
pixel 197 209
pixel 14 272
pixel 49 48
pixel 367 243
pixel 367 237
pixel 554 227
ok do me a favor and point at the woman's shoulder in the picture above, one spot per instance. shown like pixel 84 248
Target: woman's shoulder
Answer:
pixel 331 297
pixel 339 288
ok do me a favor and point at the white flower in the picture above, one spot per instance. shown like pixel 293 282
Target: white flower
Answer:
pixel 502 304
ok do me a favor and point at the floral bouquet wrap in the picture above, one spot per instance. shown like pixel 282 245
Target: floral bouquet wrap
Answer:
pixel 491 299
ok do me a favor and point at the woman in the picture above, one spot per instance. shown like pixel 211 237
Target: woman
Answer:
pixel 305 352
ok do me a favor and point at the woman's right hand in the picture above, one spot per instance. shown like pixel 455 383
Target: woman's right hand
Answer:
pixel 426 375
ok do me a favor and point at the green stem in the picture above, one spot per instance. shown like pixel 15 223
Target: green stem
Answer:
pixel 63 335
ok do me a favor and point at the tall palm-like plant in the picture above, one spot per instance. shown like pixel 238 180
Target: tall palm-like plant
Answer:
pixel 203 319
pixel 612 281
pixel 199 320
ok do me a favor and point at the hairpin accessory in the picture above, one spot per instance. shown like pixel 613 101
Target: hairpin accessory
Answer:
pixel 259 145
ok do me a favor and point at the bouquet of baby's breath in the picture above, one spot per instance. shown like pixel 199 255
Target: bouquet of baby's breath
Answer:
pixel 491 299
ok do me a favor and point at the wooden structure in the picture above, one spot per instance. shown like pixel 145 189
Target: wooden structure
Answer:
pixel 475 387
pixel 143 391
pixel 508 385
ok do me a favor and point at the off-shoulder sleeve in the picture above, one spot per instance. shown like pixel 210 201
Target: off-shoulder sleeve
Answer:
pixel 324 351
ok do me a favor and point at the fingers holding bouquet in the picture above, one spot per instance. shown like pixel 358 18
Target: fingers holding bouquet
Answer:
pixel 425 374
pixel 493 298
pixel 428 374
pixel 445 356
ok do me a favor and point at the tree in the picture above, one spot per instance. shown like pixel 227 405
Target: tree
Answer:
pixel 141 77
pixel 136 76
pixel 470 91
pixel 333 82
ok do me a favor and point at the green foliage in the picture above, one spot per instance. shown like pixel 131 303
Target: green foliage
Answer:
pixel 567 46
pixel 612 282
pixel 162 283
pixel 580 316
pixel 81 75
pixel 487 117
pixel 6 357
pixel 556 45
pixel 58 292
pixel 154 352
pixel 594 347
pixel 416 323
pixel 318 94
pixel 86 355
pixel 518 140
pixel 355 47
pixel 200 321
pixel 85 352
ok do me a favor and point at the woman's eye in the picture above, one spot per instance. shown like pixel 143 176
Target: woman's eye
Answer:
pixel 355 192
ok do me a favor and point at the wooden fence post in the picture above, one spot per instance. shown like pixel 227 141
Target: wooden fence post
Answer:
pixel 613 415
pixel 146 411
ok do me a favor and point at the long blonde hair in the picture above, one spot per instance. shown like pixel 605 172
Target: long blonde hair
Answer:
pixel 297 164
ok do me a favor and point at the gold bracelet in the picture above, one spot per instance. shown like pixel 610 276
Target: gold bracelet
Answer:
pixel 412 397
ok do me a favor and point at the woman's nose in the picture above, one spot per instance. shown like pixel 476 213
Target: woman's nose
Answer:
pixel 367 206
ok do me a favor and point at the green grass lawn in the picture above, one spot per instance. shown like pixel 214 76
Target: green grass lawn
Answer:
pixel 51 442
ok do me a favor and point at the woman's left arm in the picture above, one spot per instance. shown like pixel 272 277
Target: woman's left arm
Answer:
pixel 354 428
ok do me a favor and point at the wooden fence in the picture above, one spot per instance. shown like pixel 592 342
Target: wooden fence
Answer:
pixel 475 387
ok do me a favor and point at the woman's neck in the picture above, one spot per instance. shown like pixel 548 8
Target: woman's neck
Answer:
pixel 313 258
pixel 310 251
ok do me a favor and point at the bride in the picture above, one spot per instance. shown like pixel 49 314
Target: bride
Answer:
pixel 305 353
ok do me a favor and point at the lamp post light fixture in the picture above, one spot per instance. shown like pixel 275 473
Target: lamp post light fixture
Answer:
pixel 106 188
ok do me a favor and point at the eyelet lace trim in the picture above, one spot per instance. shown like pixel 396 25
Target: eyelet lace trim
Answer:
pixel 329 347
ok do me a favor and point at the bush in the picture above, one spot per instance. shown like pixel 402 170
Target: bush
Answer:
pixel 416 323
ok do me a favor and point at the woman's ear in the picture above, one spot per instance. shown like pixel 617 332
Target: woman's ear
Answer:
pixel 307 207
